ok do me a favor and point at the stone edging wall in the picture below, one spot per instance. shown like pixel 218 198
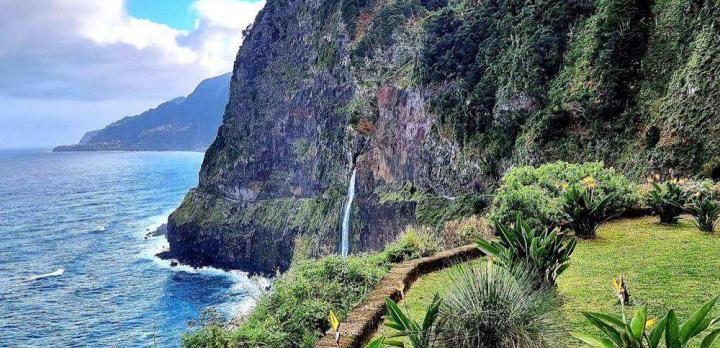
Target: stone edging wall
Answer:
pixel 363 321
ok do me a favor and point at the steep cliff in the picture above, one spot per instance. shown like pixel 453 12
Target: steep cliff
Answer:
pixel 184 123
pixel 431 101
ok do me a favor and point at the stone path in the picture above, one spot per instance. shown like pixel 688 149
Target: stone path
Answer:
pixel 363 321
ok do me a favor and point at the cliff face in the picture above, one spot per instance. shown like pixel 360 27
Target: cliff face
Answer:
pixel 182 124
pixel 431 101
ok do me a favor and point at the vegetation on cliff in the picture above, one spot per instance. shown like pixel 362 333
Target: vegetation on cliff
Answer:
pixel 295 313
pixel 182 124
pixel 432 101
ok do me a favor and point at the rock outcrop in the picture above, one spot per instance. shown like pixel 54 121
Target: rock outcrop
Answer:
pixel 431 102
pixel 182 124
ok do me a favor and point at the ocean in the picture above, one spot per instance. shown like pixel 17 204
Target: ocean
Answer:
pixel 75 266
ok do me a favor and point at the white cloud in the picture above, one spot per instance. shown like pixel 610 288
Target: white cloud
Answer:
pixel 90 49
pixel 218 30
pixel 80 52
pixel 228 13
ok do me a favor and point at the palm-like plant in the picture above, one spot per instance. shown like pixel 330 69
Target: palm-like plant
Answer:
pixel 545 252
pixel 420 335
pixel 667 201
pixel 705 212
pixel 585 209
pixel 617 333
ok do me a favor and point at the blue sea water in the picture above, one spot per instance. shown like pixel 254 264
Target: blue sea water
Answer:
pixel 75 267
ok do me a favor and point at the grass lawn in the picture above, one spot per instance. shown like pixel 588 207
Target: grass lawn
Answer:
pixel 665 267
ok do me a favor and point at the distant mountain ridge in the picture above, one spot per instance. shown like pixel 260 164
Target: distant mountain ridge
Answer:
pixel 181 124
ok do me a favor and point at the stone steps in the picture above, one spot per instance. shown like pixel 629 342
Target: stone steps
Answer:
pixel 361 324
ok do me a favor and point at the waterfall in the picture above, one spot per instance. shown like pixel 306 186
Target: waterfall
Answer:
pixel 345 245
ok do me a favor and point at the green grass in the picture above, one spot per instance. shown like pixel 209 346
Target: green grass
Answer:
pixel 665 267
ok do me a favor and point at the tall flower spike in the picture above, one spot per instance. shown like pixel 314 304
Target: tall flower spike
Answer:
pixel 335 324
pixel 619 288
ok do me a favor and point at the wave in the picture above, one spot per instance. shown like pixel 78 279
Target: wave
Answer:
pixel 56 273
pixel 245 290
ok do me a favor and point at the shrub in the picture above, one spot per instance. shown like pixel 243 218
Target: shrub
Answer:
pixel 295 312
pixel 491 306
pixel 667 201
pixel 211 331
pixel 705 212
pixel 412 244
pixel 639 332
pixel 711 169
pixel 537 192
pixel 465 231
pixel 584 209
pixel 296 309
pixel 545 253
pixel 707 188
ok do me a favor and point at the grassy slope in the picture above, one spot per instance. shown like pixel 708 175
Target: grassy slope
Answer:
pixel 666 267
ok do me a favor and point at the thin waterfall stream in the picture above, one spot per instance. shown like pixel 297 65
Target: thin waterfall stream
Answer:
pixel 345 244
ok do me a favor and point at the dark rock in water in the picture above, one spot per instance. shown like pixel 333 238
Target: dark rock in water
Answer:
pixel 322 88
pixel 182 124
pixel 165 255
pixel 173 263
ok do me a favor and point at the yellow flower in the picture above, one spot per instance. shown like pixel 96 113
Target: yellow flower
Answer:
pixel 617 283
pixel 589 182
pixel 682 181
pixel 650 323
pixel 334 322
pixel 564 185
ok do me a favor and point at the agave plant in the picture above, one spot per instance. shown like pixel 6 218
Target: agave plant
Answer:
pixel 640 333
pixel 585 209
pixel 490 306
pixel 419 335
pixel 667 201
pixel 705 212
pixel 545 252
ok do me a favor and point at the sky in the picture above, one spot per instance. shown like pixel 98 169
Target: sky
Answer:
pixel 71 66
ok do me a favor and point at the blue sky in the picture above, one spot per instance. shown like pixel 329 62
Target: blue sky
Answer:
pixel 175 13
pixel 68 67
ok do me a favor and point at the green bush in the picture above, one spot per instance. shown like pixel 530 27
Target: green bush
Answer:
pixel 490 306
pixel 545 253
pixel 711 169
pixel 584 210
pixel 705 212
pixel 211 331
pixel 412 244
pixel 667 201
pixel 706 188
pixel 296 310
pixel 537 192
pixel 295 313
